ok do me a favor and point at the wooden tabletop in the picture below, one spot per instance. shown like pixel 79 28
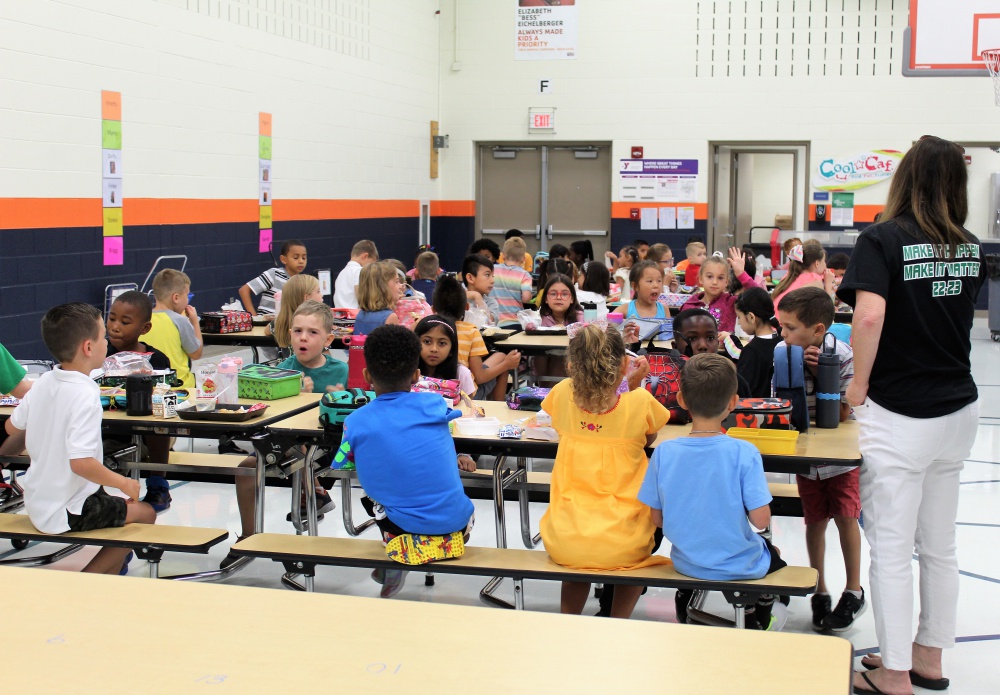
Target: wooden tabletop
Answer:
pixel 215 642
pixel 257 337
pixel 537 343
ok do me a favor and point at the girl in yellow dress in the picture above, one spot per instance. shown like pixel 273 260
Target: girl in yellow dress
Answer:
pixel 594 520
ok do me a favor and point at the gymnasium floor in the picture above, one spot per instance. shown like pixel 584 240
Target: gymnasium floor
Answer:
pixel 973 665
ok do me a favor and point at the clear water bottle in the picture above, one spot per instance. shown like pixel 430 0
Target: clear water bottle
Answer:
pixel 828 385
pixel 589 311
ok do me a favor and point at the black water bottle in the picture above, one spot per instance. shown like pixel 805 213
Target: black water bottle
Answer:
pixel 828 386
pixel 139 395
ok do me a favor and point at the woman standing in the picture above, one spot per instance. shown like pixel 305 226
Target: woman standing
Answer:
pixel 913 280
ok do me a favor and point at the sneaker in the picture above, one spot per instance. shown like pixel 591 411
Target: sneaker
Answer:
pixel 158 498
pixel 303 514
pixel 681 601
pixel 849 607
pixel 231 447
pixel 779 616
pixel 378 576
pixel 392 583
pixel 821 604
pixel 128 558
pixel 324 503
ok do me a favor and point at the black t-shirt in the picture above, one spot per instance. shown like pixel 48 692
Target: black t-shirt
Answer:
pixel 157 360
pixel 756 365
pixel 922 367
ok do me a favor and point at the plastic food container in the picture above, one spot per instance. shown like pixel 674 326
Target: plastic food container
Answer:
pixel 476 426
pixel 262 383
pixel 775 442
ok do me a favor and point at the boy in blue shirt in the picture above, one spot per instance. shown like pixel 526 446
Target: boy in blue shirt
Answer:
pixel 703 488
pixel 310 334
pixel 404 452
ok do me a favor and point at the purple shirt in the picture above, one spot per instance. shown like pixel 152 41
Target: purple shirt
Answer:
pixel 723 307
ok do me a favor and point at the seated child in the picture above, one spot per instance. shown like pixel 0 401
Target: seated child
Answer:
pixel 594 520
pixel 512 283
pixel 489 371
pixel 595 285
pixel 806 268
pixel 439 352
pixel 477 273
pixel 293 258
pixel 310 336
pixel 550 267
pixel 828 492
pixel 485 247
pixel 391 434
pixel 646 280
pixel 754 311
pixel 346 287
pixel 428 269
pixel 559 308
pixel 714 279
pixel 837 264
pixel 175 330
pixel 61 416
pixel 703 488
pixel 130 318
pixel 379 289
pixel 663 257
pixel 297 290
pixel 621 264
pixel 696 255
pixel 526 262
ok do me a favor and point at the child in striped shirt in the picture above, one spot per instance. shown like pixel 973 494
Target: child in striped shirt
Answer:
pixel 511 282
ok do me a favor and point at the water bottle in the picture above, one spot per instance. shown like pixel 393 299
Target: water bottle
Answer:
pixel 356 362
pixel 228 379
pixel 589 311
pixel 828 386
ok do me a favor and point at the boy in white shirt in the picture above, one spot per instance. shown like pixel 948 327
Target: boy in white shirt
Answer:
pixel 345 290
pixel 62 416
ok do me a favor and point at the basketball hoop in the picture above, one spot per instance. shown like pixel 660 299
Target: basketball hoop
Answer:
pixel 991 59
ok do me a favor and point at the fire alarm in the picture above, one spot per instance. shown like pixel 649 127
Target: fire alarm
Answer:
pixel 633 213
pixel 636 152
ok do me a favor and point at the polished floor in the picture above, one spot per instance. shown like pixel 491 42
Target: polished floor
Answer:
pixel 973 666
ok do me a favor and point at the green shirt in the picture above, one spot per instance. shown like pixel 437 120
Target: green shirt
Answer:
pixel 330 374
pixel 11 373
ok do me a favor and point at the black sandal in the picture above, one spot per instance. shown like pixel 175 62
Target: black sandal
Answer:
pixel 874 688
pixel 916 679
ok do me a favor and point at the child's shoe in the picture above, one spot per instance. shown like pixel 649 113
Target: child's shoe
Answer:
pixel 324 503
pixel 414 549
pixel 849 607
pixel 157 497
pixel 821 604
pixel 128 558
pixel 392 583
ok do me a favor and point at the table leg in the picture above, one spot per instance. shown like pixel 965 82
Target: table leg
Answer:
pixel 523 501
pixel 486 594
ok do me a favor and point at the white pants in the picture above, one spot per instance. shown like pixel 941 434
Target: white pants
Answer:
pixel 909 497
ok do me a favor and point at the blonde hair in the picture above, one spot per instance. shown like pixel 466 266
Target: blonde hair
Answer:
pixel 364 246
pixel 514 250
pixel 707 383
pixel 695 246
pixel 311 307
pixel 427 265
pixel 709 261
pixel 594 363
pixel 292 295
pixel 373 286
pixel 169 282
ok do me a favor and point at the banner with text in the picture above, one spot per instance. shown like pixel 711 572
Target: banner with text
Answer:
pixel 545 30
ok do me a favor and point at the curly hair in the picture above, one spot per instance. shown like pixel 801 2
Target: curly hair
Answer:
pixel 594 364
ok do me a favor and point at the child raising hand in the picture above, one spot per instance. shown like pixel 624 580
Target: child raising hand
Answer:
pixel 714 279
pixel 594 519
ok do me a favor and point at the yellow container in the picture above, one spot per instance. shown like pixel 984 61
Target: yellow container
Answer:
pixel 775 442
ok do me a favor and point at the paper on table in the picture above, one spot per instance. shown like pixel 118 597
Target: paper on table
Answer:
pixel 685 218
pixel 648 218
pixel 668 218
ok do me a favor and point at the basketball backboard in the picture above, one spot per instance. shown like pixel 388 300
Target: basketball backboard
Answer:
pixel 947 37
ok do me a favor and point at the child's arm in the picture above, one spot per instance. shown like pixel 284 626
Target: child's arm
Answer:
pixel 92 470
pixel 760 517
pixel 493 366
pixel 246 296
pixel 392 320
pixel 192 315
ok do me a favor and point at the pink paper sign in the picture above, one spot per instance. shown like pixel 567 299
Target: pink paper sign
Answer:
pixel 114 250
pixel 265 240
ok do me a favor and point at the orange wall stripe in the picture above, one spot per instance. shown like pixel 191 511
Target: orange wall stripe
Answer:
pixel 286 210
pixel 453 208
pixel 44 213
pixel 153 211
pixel 622 210
pixel 862 213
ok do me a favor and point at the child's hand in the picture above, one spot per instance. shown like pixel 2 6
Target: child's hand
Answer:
pixel 723 335
pixel 307 384
pixel 131 488
pixel 638 370
pixel 811 356
pixel 465 463
pixel 672 282
pixel 829 281
pixel 191 313
pixel 333 388
pixel 631 332
pixel 512 360
pixel 474 297
pixel 737 261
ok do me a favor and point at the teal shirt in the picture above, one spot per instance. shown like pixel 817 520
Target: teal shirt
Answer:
pixel 330 374
pixel 11 372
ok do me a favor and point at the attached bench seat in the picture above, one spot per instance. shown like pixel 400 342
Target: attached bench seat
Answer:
pixel 300 554
pixel 148 541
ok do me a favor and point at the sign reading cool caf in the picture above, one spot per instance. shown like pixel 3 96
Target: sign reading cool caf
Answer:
pixel 858 171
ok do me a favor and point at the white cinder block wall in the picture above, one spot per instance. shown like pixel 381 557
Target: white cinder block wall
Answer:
pixel 351 84
pixel 669 75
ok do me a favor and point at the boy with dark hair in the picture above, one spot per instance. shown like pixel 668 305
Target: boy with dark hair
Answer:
pixel 477 272
pixel 293 257
pixel 827 492
pixel 837 263
pixel 406 500
pixel 641 247
pixel 485 247
pixel 61 415
pixel 706 510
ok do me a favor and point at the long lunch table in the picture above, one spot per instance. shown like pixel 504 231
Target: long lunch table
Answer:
pixel 214 636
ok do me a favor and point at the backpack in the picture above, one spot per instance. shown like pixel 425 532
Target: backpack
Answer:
pixel 790 384
pixel 449 389
pixel 335 406
pixel 664 381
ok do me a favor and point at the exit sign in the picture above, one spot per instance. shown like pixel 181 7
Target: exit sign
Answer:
pixel 541 119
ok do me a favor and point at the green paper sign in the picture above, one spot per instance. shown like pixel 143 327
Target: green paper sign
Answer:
pixel 265 146
pixel 843 200
pixel 111 135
